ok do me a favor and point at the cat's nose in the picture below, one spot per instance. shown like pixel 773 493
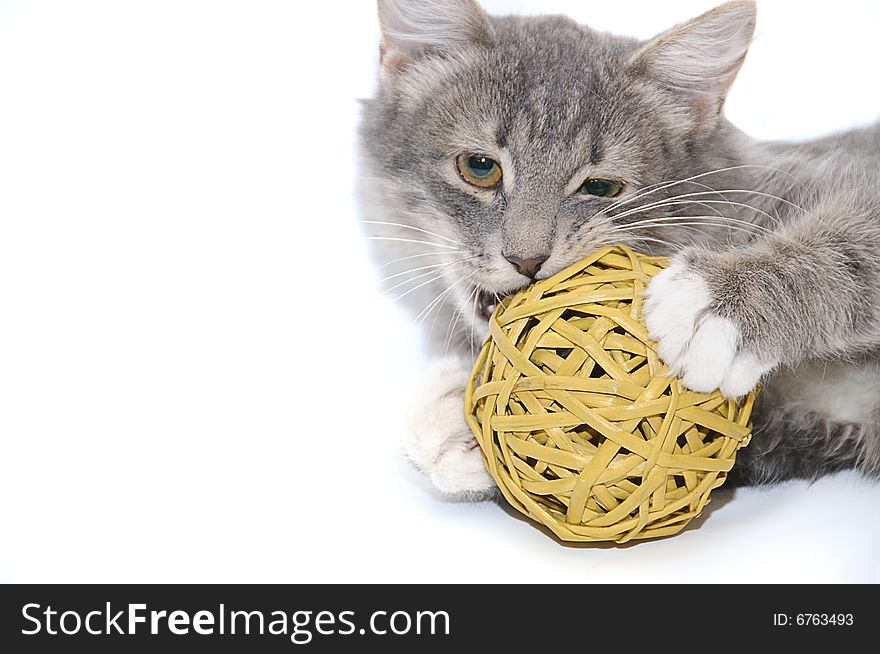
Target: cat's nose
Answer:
pixel 527 267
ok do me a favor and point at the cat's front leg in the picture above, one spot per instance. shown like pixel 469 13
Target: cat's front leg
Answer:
pixel 723 319
pixel 699 341
pixel 439 441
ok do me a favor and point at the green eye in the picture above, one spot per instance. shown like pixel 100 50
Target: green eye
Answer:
pixel 602 188
pixel 479 170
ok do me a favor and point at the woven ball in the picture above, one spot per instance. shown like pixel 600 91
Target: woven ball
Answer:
pixel 580 424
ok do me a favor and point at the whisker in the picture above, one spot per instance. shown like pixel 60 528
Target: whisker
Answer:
pixel 664 185
pixel 422 276
pixel 472 328
pixel 450 328
pixel 759 193
pixel 437 301
pixel 635 227
pixel 416 256
pixel 409 240
pixel 648 239
pixel 678 201
pixel 425 283
pixel 427 309
pixel 728 203
pixel 722 220
pixel 450 331
pixel 425 312
pixel 415 229
pixel 412 270
pixel 720 193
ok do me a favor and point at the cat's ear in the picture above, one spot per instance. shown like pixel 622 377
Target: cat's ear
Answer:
pixel 697 61
pixel 413 28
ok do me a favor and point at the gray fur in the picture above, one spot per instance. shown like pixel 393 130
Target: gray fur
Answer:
pixel 797 270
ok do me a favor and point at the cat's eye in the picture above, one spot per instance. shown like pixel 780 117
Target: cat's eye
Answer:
pixel 603 188
pixel 479 170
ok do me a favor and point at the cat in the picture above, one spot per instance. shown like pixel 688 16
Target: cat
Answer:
pixel 500 150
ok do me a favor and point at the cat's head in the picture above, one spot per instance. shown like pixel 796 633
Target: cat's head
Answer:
pixel 503 149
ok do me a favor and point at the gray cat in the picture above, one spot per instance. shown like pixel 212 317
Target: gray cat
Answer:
pixel 500 150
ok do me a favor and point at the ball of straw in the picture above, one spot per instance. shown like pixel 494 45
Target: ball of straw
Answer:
pixel 579 423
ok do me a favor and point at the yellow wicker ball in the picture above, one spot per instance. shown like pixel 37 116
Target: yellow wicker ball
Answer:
pixel 578 424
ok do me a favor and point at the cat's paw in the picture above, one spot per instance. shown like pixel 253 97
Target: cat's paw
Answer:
pixel 700 346
pixel 439 441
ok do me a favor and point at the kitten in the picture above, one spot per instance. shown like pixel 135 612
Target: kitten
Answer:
pixel 500 150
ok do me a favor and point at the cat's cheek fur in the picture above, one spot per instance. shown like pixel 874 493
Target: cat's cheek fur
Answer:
pixel 698 345
pixel 439 441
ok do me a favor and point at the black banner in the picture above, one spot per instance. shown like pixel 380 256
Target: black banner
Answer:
pixel 246 618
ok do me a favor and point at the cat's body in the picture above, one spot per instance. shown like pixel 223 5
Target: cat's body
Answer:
pixel 775 246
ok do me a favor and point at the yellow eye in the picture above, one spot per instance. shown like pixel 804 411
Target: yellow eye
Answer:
pixel 478 170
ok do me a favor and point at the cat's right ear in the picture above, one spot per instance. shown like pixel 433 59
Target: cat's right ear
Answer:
pixel 696 62
pixel 413 28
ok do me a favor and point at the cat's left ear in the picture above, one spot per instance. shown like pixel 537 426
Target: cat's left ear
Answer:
pixel 412 29
pixel 696 62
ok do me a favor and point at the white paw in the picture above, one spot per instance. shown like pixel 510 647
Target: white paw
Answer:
pixel 699 346
pixel 438 439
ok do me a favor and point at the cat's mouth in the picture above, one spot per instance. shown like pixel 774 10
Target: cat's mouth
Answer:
pixel 486 302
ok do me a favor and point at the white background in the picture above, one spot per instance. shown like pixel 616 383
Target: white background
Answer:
pixel 198 379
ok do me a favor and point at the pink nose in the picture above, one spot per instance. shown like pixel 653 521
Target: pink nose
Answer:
pixel 527 267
